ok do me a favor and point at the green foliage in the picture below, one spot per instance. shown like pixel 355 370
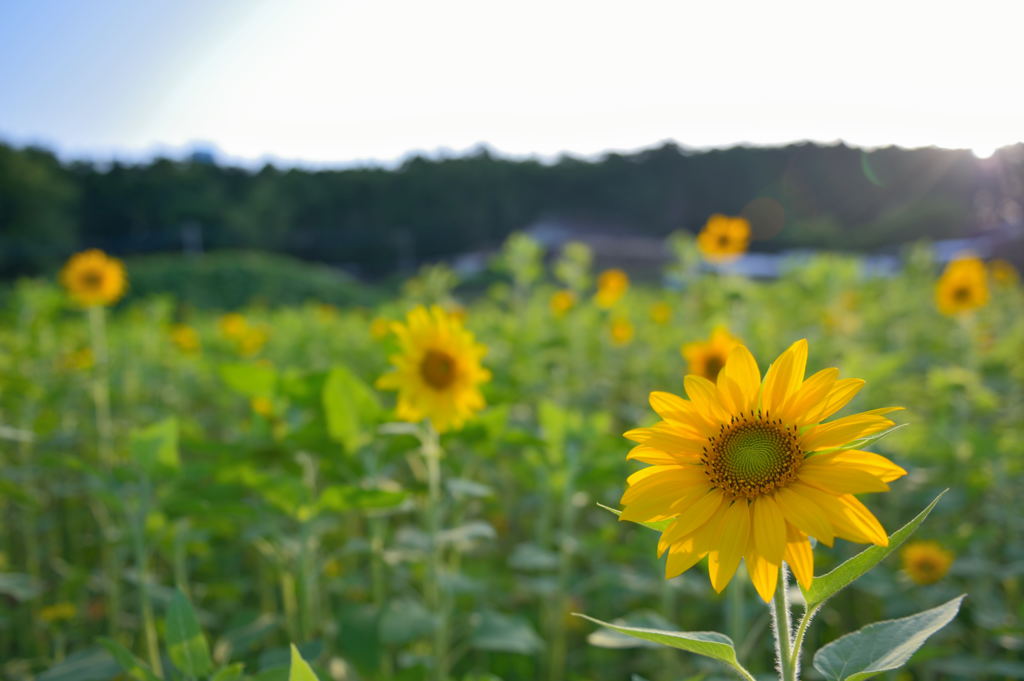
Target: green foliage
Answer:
pixel 186 643
pixel 132 666
pixel 707 643
pixel 351 408
pixel 156 446
pixel 300 669
pixel 882 646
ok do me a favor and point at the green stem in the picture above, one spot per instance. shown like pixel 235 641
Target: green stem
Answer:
pixel 141 561
pixel 435 593
pixel 783 629
pixel 798 640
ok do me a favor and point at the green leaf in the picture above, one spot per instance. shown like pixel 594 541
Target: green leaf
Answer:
pixel 231 672
pixel 185 641
pixel 340 498
pixel 882 646
pixel 657 526
pixel 300 669
pixel 92 664
pixel 707 643
pixel 251 380
pixel 827 585
pixel 350 407
pixel 156 445
pixel 132 666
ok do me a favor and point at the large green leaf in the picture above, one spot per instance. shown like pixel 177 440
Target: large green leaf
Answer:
pixel 186 643
pixel 300 669
pixel 251 380
pixel 707 643
pixel 231 672
pixel 92 664
pixel 340 498
pixel 156 445
pixel 882 646
pixel 827 585
pixel 132 666
pixel 350 407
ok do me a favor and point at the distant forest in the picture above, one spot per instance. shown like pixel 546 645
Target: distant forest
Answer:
pixel 372 220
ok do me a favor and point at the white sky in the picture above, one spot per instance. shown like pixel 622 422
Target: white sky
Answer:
pixel 335 81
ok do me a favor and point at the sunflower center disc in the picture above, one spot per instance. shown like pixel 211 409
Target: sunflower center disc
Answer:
pixel 961 294
pixel 92 279
pixel 749 458
pixel 437 369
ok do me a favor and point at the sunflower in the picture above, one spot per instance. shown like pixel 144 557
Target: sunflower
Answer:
pixel 926 561
pixel 723 237
pixel 561 302
pixel 962 287
pixel 745 469
pixel 437 373
pixel 185 338
pixel 1003 272
pixel 661 313
pixel 611 286
pixel 233 325
pixel 621 331
pixel 706 358
pixel 94 278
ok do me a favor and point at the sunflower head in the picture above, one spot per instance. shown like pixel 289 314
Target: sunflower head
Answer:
pixel 94 278
pixel 233 325
pixel 748 469
pixel 1004 273
pixel 926 562
pixel 962 287
pixel 706 358
pixel 620 331
pixel 185 338
pixel 724 238
pixel 437 372
pixel 661 313
pixel 611 286
pixel 561 302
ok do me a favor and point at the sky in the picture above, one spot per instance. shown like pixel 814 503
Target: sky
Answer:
pixel 336 82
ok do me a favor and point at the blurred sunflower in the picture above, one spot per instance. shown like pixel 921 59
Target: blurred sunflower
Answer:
pixel 380 328
pixel 1003 272
pixel 661 313
pixel 706 358
pixel 561 302
pixel 723 237
pixel 745 469
pixel 185 338
pixel 926 562
pixel 94 278
pixel 438 372
pixel 962 287
pixel 611 286
pixel 58 612
pixel 621 332
pixel 233 325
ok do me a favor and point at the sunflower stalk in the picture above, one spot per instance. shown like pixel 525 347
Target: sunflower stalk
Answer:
pixel 430 446
pixel 783 629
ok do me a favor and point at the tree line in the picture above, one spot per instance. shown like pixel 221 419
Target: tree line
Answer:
pixel 374 220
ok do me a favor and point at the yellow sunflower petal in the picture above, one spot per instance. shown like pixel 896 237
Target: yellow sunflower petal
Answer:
pixel 741 367
pixel 850 518
pixel 809 395
pixel 695 516
pixel 732 532
pixel 843 431
pixel 674 408
pixel 784 376
pixel 843 390
pixel 840 479
pixel 799 556
pixel 805 515
pixel 769 528
pixel 876 464
pixel 685 553
pixel 764 575
pixel 649 454
pixel 704 396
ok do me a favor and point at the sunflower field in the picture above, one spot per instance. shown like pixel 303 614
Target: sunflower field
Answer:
pixel 437 486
